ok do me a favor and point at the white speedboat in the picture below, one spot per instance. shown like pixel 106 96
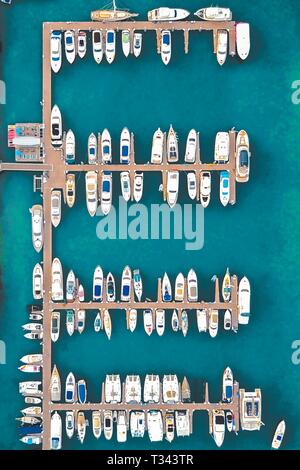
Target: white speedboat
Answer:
pixel 108 424
pixel 91 187
pixel 70 147
pixel 222 46
pixel 98 322
pixel 160 321
pixel 125 185
pixel 70 390
pixel 121 427
pixel 157 147
pixel 110 46
pixel 170 427
pixel 229 421
pixel 168 14
pixel 106 193
pixel 55 207
pixel 227 394
pixel 55 326
pixel 179 288
pixel 80 293
pixel 192 286
pixel 126 42
pixel 243 40
pixel 224 188
pixel 97 424
pixel 113 389
pixel 110 288
pixel 138 186
pixel 133 389
pixel 214 14
pixel 112 14
pixel 55 385
pixel 213 322
pixel 170 389
pixel 137 284
pixel 191 147
pixel 218 426
pixel 152 389
pixel 137 424
pixel 132 320
pixel 125 146
pixel 126 284
pixel 184 323
pixel 70 424
pixel 70 322
pixel 175 321
pixel 81 426
pixel 137 44
pixel 222 147
pixel 205 188
pixel 33 327
pixel 166 289
pixel 37 282
pixel 191 184
pixel 172 188
pixel 37 227
pixel 155 426
pixel 29 388
pixel 57 281
pixel 242 157
pixel 279 435
pixel 172 146
pixel 81 44
pixel 81 391
pixel 71 287
pixel 70 49
pixel 226 286
pixel 244 297
pixel 70 189
pixel 166 46
pixel 32 440
pixel 80 321
pixel 55 432
pixel 56 127
pixel 148 322
pixel 106 148
pixel 97 46
pixel 92 149
pixel 30 368
pixel 36 359
pixel 227 321
pixel 107 323
pixel 98 284
pixel 34 335
pixel 202 320
pixel 56 51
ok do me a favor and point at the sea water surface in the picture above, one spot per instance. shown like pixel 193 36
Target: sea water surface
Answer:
pixel 258 237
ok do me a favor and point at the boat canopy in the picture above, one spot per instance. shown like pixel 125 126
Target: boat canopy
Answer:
pixel 110 37
pixel 166 39
pixel 26 141
pixel 125 150
pixel 244 158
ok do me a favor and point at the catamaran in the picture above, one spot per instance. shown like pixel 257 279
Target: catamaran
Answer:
pixel 155 426
pixel 137 424
pixel 97 46
pixel 133 389
pixel 170 389
pixel 113 389
pixel 121 427
pixel 112 14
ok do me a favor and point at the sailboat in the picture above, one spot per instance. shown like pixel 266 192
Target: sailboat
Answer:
pixel 226 286
pixel 112 14
pixel 55 385
pixel 107 324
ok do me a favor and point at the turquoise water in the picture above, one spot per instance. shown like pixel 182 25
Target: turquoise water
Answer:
pixel 257 237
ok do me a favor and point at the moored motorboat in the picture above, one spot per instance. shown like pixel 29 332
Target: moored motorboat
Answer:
pixel 192 286
pixel 172 146
pixel 205 188
pixel 55 385
pixel 137 284
pixel 110 288
pixel 70 189
pixel 70 322
pixel 170 427
pixel 224 187
pixel 70 390
pixel 92 149
pixel 98 322
pixel 56 127
pixel 121 427
pixel 98 284
pixel 81 321
pixel 167 14
pixel 132 319
pixel 184 323
pixel 243 40
pixel 166 46
pixel 97 424
pixel 126 42
pixel 202 320
pixel 82 391
pixel 81 44
pixel 55 326
pixel 191 147
pixel 37 227
pixel 71 287
pixel 34 335
pixel 106 192
pixel 166 289
pixel 32 400
pixel 30 368
pixel 55 432
pixel 125 185
pixel 126 284
pixel 278 435
pixel 106 148
pixel 214 14
pixel 137 44
pixel 37 282
pixel 138 186
pixel 32 439
pixel 125 146
pixel 222 147
pixel 227 320
pixel 57 281
pixel 81 426
pixel 33 327
pixel 172 188
pixel 29 420
pixel 97 46
pixel 229 421
pixel 179 288
pixel 70 49
pixel 148 321
pixel 244 298
pixel 191 184
pixel 222 46
pixel 56 51
pixel 227 286
pixel 107 324
pixel 55 207
pixel 242 157
pixel 157 147
pixel 91 187
pixel 218 426
pixel 227 394
pixel 108 424
pixel 213 322
pixel 70 424
pixel 110 46
pixel 175 321
pixel 160 321
pixel 36 359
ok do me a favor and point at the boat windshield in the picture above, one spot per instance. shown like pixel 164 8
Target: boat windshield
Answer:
pixel 125 150
pixel 126 291
pixel 106 150
pixel 220 420
pixel 69 40
pixel 244 158
pixel 55 443
pixel 166 39
pixel 106 186
pixel 97 291
pixel 228 391
pixel 110 37
pixel 69 395
pixel 92 151
pixel 97 37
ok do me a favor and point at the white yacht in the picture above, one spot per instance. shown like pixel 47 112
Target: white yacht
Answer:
pixel 55 326
pixel 242 157
pixel 222 46
pixel 168 14
pixel 37 282
pixel 70 189
pixel 152 389
pixel 218 426
pixel 81 44
pixel 182 420
pixel 125 185
pixel 279 435
pixel 175 321
pixel 97 424
pixel 55 432
pixel 110 45
pixel 110 288
pixel 227 286
pixel 243 40
pixel 56 127
pixel 160 321
pixel 166 289
pixel 92 149
pixel 244 297
pixel 172 146
pixel 81 426
pixel 192 286
pixel 155 426
pixel 108 424
pixel 56 51
pixel 132 321
pixel 137 44
pixel 125 146
pixel 80 321
pixel 98 284
pixel 126 46
pixel 37 224
pixel 166 46
pixel 70 390
pixel 192 185
pixel 70 322
pixel 97 46
pixel 157 147
pixel 214 14
pixel 222 147
pixel 170 427
pixel 133 389
pixel 184 323
pixel 191 147
pixel 91 186
pixel 98 322
pixel 205 188
pixel 57 281
pixel 113 389
pixel 202 320
pixel 126 284
pixel 213 322
pixel 36 359
pixel 138 186
pixel 148 321
pixel 170 389
pixel 227 320
pixel 106 193
pixel 138 284
pixel 71 287
pixel 106 148
pixel 70 147
pixel 227 394
pixel 70 424
pixel 179 288
pixel 107 323
pixel 70 48
pixel 137 424
pixel 56 207
pixel 172 188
